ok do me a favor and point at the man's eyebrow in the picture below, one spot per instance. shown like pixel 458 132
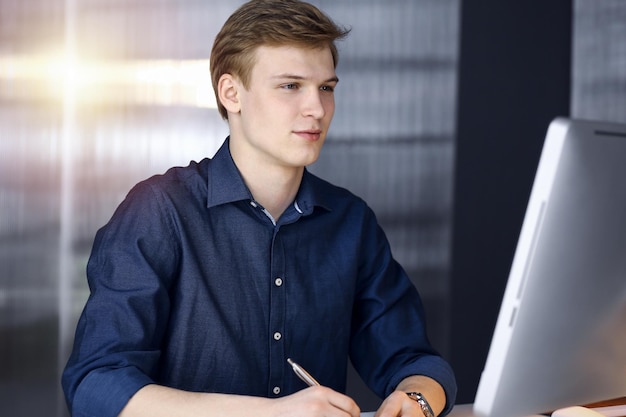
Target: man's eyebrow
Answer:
pixel 300 77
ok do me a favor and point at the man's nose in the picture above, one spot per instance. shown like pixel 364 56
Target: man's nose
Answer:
pixel 314 104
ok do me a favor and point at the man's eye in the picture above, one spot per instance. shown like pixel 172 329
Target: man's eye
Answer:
pixel 327 88
pixel 290 86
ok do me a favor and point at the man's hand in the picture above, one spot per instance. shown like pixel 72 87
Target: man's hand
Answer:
pixel 398 404
pixel 314 402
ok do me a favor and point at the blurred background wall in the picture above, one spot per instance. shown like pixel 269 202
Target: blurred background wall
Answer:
pixel 96 95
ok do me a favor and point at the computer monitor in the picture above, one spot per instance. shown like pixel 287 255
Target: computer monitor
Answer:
pixel 560 337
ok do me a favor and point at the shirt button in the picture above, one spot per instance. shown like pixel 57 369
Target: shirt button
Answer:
pixel 276 390
pixel 278 282
pixel 277 336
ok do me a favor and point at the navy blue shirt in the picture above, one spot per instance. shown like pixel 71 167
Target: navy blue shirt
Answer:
pixel 195 287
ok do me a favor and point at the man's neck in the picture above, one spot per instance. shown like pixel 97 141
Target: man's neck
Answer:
pixel 273 186
pixel 274 192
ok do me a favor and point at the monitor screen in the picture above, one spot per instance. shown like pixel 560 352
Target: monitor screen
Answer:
pixel 560 336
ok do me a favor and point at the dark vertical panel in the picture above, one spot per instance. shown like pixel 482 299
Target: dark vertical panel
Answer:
pixel 514 77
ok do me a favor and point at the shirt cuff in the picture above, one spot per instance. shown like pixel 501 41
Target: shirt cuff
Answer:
pixel 105 392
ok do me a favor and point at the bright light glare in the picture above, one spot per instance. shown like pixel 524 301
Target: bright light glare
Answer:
pixel 155 82
pixel 65 74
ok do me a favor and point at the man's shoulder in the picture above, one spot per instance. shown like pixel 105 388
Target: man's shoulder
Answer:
pixel 177 183
pixel 191 175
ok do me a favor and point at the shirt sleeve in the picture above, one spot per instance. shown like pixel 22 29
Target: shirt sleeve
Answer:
pixel 118 336
pixel 389 338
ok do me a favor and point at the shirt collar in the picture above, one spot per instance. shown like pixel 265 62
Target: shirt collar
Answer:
pixel 226 185
pixel 313 193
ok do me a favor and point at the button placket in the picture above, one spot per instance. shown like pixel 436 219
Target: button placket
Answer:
pixel 277 317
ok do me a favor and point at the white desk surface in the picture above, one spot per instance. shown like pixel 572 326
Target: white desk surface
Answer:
pixel 465 410
pixel 614 408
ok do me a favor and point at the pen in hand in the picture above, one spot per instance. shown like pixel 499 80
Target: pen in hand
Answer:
pixel 302 374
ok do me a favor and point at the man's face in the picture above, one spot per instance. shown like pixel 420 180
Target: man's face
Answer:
pixel 287 108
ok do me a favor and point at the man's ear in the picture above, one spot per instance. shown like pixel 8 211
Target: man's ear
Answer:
pixel 228 93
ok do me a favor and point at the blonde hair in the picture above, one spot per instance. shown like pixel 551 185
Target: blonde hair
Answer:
pixel 269 23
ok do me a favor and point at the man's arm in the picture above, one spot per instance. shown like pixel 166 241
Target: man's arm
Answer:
pixel 398 404
pixel 159 401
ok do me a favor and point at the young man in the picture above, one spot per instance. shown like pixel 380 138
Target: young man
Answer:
pixel 209 277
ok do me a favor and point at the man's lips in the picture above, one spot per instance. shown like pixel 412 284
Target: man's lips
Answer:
pixel 309 134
